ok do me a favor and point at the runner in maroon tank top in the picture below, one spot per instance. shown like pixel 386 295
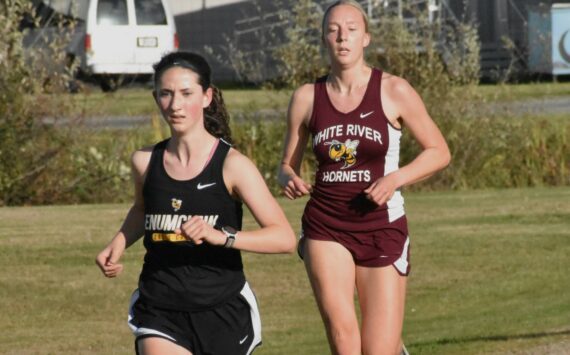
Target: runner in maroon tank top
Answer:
pixel 354 226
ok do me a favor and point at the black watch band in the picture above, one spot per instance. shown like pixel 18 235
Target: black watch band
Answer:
pixel 231 234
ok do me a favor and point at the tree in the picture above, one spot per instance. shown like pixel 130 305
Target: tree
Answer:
pixel 29 78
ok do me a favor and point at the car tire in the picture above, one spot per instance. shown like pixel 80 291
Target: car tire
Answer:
pixel 110 83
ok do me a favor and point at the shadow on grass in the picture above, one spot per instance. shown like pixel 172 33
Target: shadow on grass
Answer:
pixel 491 338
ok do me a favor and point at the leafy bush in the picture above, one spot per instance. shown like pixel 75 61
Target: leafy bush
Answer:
pixel 262 142
pixel 301 58
pixel 490 152
pixel 47 159
pixel 487 152
pixel 508 151
pixel 259 29
pixel 441 60
pixel 26 77
pixel 45 156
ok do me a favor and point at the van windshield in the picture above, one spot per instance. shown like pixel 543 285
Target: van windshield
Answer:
pixel 150 12
pixel 112 12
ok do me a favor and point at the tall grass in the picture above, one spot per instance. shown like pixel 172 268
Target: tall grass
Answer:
pixel 487 152
pixel 29 148
pixel 495 151
pixel 501 151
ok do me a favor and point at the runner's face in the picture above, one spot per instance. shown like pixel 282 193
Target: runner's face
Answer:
pixel 181 99
pixel 345 34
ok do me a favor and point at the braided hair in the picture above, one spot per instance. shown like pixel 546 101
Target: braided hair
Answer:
pixel 216 117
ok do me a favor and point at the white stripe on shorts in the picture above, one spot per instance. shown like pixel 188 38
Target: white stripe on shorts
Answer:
pixel 137 332
pixel 246 292
pixel 249 296
pixel 402 263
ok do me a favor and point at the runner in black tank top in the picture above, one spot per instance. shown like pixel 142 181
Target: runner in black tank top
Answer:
pixel 193 296
pixel 178 274
pixel 354 227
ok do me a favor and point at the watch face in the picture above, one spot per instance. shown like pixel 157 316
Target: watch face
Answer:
pixel 230 230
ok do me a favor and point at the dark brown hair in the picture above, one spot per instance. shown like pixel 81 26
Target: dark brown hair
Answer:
pixel 216 117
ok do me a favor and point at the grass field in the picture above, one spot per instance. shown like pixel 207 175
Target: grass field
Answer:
pixel 489 276
pixel 137 101
pixel 520 92
pixel 134 101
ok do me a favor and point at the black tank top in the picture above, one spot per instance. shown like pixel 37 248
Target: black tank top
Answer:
pixel 178 274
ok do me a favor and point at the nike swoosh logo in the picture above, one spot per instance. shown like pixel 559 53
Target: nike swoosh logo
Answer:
pixel 201 187
pixel 364 115
pixel 241 341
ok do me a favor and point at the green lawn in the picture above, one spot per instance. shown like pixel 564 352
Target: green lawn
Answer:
pixel 521 92
pixel 489 276
pixel 136 101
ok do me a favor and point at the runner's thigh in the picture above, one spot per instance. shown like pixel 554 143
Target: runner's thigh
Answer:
pixel 382 295
pixel 331 271
pixel 159 346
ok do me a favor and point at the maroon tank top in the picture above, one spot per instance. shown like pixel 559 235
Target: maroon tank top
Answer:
pixel 353 150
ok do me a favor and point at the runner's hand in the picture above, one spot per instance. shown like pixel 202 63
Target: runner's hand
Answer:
pixel 198 231
pixel 296 187
pixel 108 259
pixel 381 190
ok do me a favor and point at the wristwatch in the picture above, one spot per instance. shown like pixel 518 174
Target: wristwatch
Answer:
pixel 231 234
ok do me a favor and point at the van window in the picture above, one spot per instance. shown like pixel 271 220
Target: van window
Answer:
pixel 150 12
pixel 112 12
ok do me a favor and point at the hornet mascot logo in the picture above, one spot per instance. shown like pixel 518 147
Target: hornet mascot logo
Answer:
pixel 176 204
pixel 343 151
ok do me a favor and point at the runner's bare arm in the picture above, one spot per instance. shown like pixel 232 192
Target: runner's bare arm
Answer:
pixel 133 225
pixel 298 116
pixel 402 101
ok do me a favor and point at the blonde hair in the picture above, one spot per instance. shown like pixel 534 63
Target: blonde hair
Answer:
pixel 352 3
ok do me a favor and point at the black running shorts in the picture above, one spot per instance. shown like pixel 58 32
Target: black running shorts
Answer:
pixel 231 328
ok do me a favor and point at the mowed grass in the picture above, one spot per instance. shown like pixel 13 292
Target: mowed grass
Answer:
pixel 522 92
pixel 489 276
pixel 137 100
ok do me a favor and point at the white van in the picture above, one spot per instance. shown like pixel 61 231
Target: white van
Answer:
pixel 125 37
